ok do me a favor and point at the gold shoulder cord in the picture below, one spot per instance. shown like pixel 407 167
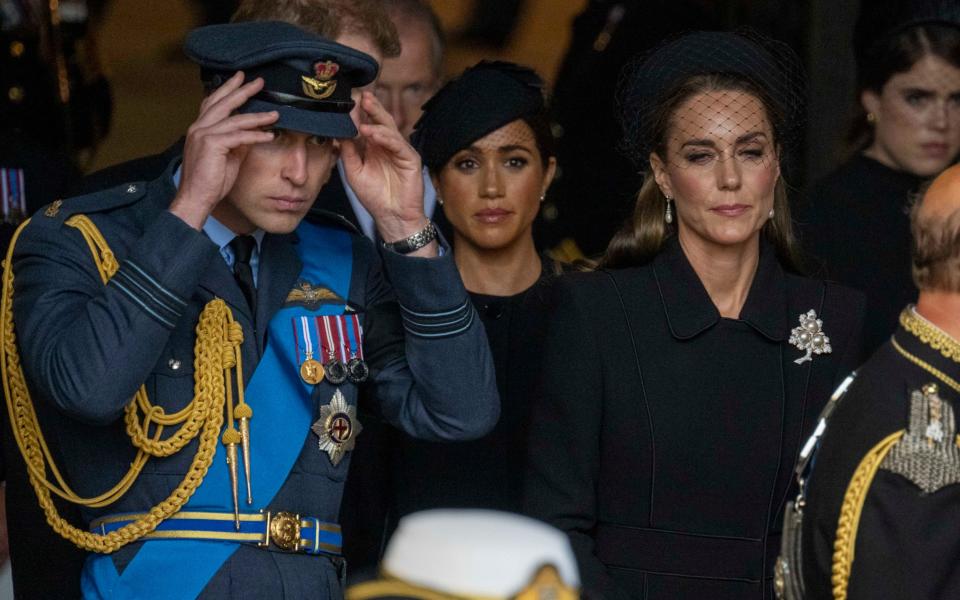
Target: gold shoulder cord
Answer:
pixel 850 511
pixel 217 352
pixel 856 494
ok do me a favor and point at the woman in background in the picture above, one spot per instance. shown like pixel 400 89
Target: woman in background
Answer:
pixel 855 221
pixel 680 380
pixel 486 140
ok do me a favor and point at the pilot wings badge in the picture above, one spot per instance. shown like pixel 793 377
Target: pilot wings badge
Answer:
pixel 337 427
pixel 307 295
pixel 810 337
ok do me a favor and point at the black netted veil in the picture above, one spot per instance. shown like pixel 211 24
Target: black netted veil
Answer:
pixel 769 66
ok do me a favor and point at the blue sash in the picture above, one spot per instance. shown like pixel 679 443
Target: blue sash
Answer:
pixel 165 569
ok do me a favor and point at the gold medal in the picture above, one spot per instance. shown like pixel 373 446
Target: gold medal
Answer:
pixel 311 371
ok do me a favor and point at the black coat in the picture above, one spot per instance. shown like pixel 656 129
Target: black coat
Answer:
pixel 907 542
pixel 488 472
pixel 855 224
pixel 664 436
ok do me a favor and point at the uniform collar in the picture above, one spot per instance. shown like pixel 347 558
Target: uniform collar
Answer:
pixel 690 311
pixel 929 343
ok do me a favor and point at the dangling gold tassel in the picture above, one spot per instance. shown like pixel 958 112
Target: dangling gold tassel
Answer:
pixel 244 413
pixel 231 437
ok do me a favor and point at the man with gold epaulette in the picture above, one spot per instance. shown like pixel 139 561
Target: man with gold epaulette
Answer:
pixel 182 357
pixel 878 516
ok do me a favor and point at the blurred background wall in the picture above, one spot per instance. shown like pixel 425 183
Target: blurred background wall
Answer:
pixel 157 92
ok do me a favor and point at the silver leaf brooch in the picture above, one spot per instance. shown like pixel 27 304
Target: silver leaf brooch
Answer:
pixel 810 337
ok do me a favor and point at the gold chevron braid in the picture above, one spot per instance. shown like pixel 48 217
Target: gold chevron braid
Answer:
pixel 850 511
pixel 217 350
pixel 930 334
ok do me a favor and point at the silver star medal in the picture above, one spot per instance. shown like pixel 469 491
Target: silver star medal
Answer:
pixel 337 428
pixel 809 337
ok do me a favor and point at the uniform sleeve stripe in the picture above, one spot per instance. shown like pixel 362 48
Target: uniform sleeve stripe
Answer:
pixel 147 296
pixel 448 323
pixel 156 316
pixel 173 297
pixel 443 334
pixel 462 307
pixel 438 324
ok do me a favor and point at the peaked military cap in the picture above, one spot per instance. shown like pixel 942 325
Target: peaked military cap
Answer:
pixel 307 79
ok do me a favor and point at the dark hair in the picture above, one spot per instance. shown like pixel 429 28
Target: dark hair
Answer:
pixel 328 18
pixel 539 123
pixel 897 54
pixel 643 235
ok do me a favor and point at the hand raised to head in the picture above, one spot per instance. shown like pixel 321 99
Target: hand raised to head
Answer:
pixel 215 147
pixel 386 174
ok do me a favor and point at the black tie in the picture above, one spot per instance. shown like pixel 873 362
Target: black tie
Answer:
pixel 242 247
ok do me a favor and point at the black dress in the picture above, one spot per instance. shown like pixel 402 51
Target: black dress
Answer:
pixel 485 473
pixel 664 436
pixel 855 223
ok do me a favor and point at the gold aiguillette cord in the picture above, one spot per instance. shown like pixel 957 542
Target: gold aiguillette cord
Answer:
pixel 231 437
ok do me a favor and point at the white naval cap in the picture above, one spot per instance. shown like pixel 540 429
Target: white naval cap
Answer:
pixel 467 553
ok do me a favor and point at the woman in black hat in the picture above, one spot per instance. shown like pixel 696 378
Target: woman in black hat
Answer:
pixel 680 379
pixel 907 131
pixel 486 140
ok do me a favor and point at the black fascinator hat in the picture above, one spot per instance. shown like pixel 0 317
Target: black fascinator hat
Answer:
pixel 770 67
pixel 484 98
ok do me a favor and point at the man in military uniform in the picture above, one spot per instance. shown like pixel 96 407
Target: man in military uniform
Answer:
pixel 241 331
pixel 881 513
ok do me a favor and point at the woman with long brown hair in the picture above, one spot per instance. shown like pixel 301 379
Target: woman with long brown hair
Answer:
pixel 680 379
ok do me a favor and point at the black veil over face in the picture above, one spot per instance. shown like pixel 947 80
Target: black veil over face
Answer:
pixel 767 67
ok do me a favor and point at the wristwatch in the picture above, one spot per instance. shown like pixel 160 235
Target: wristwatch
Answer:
pixel 415 241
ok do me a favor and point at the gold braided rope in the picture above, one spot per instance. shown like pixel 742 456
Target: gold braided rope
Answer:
pixel 930 334
pixel 850 511
pixel 950 381
pixel 217 352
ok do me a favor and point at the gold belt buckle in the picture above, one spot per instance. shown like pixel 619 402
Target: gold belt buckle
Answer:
pixel 284 530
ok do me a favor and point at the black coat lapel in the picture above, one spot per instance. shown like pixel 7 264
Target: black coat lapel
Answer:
pixel 799 409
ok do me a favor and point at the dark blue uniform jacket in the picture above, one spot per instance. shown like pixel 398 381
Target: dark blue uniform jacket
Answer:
pixel 86 349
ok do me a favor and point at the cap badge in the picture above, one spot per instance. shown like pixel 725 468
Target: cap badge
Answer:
pixel 322 84
pixel 810 337
pixel 337 427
